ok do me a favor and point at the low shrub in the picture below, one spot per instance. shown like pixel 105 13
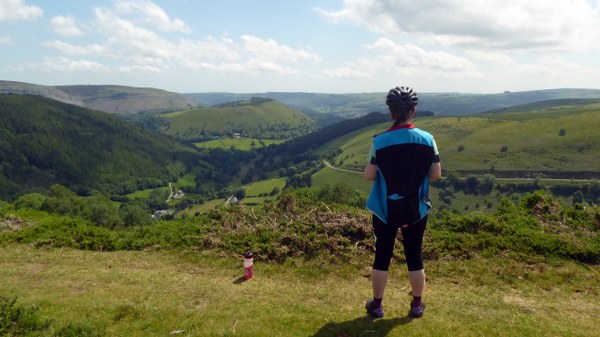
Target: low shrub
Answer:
pixel 18 320
pixel 62 231
pixel 78 330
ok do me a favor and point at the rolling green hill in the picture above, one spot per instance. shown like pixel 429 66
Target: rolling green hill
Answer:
pixel 256 118
pixel 557 140
pixel 44 142
pixel 316 104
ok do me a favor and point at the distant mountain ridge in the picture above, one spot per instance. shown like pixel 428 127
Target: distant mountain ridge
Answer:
pixel 107 98
pixel 441 104
pixel 450 104
pixel 320 106
pixel 548 104
pixel 22 88
pixel 128 100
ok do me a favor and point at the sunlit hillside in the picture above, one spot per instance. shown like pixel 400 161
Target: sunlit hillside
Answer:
pixel 557 140
pixel 258 118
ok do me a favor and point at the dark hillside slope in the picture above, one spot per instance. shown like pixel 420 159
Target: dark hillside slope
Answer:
pixel 326 134
pixel 43 142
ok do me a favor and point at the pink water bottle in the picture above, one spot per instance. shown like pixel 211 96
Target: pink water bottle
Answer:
pixel 248 264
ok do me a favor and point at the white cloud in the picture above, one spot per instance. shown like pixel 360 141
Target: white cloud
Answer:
pixel 556 70
pixel 251 55
pixel 65 26
pixel 15 10
pixel 129 40
pixel 141 49
pixel 271 50
pixel 152 14
pixel 350 71
pixel 411 55
pixel 490 57
pixel 71 49
pixel 508 24
pixel 136 69
pixel 64 64
pixel 5 40
pixel 395 58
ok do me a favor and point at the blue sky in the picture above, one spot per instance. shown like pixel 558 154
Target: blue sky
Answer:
pixel 327 46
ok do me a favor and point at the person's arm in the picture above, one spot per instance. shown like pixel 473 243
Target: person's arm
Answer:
pixel 435 172
pixel 370 172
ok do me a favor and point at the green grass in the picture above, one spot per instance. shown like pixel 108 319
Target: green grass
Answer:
pixel 156 293
pixel 511 273
pixel 205 207
pixel 188 180
pixel 243 144
pixel 264 186
pixel 257 193
pixel 329 176
pixel 253 192
pixel 143 194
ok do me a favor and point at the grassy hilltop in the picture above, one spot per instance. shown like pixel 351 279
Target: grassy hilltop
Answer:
pixel 256 118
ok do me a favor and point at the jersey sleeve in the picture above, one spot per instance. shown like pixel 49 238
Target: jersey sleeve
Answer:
pixel 436 158
pixel 371 158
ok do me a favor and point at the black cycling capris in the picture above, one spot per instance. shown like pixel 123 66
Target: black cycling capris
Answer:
pixel 412 240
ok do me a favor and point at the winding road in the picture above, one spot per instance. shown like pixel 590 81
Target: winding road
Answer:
pixel 328 164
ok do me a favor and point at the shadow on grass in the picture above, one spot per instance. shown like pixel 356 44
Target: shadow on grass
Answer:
pixel 240 280
pixel 362 327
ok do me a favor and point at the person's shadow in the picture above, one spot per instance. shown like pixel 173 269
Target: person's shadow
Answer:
pixel 361 327
pixel 240 280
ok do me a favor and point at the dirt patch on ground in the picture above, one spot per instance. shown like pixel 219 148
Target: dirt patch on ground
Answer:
pixel 522 303
pixel 12 223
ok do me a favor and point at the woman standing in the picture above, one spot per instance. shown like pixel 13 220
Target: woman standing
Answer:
pixel 402 161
